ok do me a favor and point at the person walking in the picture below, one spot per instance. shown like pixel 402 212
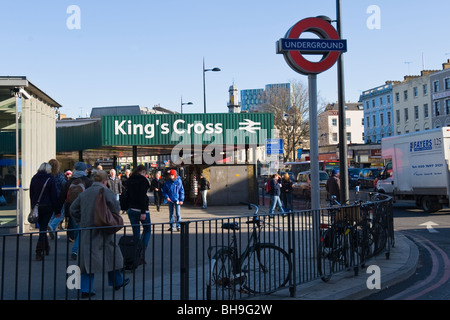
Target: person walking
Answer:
pixel 44 183
pixel 333 185
pixel 157 185
pixel 98 250
pixel 286 192
pixel 115 184
pixel 78 182
pixel 61 181
pixel 203 188
pixel 137 199
pixel 123 196
pixel 173 193
pixel 275 191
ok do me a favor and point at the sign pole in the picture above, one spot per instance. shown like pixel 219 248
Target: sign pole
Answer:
pixel 343 161
pixel 314 142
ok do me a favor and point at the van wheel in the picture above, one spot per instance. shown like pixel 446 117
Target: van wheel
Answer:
pixel 430 204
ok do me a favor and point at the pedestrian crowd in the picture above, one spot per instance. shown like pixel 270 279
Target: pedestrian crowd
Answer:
pixel 70 201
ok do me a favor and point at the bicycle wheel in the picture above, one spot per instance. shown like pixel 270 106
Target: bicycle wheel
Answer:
pixel 325 261
pixel 221 285
pixel 267 268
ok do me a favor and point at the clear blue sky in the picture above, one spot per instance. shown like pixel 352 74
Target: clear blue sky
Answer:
pixel 148 52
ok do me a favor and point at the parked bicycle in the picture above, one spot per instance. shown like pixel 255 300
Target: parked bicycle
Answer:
pixel 260 268
pixel 346 240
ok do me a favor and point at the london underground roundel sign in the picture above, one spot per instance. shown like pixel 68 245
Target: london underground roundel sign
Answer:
pixel 294 48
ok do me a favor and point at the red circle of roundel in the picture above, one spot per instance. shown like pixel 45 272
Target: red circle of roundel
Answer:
pixel 325 31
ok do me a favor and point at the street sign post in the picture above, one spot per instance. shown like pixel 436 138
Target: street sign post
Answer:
pixel 274 146
pixel 293 49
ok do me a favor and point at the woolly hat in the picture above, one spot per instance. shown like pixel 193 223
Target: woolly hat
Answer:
pixel 80 166
pixel 173 172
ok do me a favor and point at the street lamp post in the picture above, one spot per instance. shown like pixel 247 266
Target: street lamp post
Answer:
pixel 184 103
pixel 204 90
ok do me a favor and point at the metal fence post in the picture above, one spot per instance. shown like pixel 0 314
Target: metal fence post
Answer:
pixel 184 261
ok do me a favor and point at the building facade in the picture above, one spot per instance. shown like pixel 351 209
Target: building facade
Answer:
pixel 329 124
pixel 253 99
pixel 378 112
pixel 440 96
pixel 412 104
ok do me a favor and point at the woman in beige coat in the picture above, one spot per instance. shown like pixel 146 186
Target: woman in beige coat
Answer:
pixel 98 252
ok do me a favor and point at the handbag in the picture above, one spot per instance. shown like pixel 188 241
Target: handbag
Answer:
pixel 34 214
pixel 103 217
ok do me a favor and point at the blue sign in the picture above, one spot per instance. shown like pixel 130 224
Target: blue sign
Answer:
pixel 311 45
pixel 274 146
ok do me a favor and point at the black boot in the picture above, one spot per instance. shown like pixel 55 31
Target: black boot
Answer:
pixel 39 250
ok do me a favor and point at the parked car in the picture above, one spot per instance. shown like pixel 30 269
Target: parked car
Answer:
pixel 302 188
pixel 367 177
pixel 353 175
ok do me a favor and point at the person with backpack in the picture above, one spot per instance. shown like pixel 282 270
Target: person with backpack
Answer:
pixel 74 186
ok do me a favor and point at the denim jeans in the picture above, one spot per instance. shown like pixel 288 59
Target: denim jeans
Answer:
pixel 135 219
pixel 172 221
pixel 204 193
pixel 115 279
pixel 54 222
pixel 276 201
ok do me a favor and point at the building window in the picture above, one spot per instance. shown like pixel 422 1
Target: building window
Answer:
pixel 373 103
pixel 425 110
pixel 381 119
pixel 416 92
pixel 437 109
pixel 349 136
pixel 374 121
pixel 389 117
pixel 405 95
pixel 406 114
pixel 416 112
pixel 397 97
pixel 436 86
pixel 368 123
pixel 335 137
pixel 381 101
pixel 447 106
pixel 447 83
pixel 367 104
pixel 388 99
pixel 334 122
pixel 397 115
pixel 425 89
pixel 348 122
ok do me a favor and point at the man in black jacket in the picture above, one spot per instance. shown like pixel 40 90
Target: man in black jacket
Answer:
pixel 157 185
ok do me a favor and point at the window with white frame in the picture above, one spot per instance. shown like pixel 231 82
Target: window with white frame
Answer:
pixel 416 112
pixel 436 86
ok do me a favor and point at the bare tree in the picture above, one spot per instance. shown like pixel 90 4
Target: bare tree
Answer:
pixel 290 108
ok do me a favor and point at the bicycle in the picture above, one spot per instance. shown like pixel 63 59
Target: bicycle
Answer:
pixel 346 239
pixel 262 268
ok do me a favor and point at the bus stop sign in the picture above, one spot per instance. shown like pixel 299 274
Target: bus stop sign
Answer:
pixel 329 45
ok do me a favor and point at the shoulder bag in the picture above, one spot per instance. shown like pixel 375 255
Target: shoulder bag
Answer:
pixel 103 217
pixel 34 214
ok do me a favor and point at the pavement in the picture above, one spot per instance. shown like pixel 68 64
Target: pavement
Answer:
pixel 345 285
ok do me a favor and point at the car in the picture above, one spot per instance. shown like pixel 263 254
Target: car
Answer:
pixel 353 174
pixel 367 177
pixel 302 188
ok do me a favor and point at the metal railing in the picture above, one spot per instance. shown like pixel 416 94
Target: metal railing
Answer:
pixel 184 265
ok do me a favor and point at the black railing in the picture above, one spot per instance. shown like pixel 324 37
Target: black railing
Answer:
pixel 230 258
